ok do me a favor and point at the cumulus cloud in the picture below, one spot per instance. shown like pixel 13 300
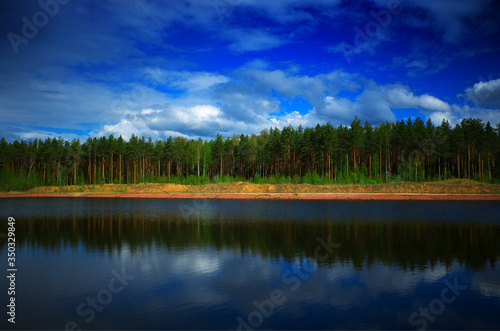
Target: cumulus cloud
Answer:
pixel 132 69
pixel 486 94
pixel 400 96
pixel 250 100
pixel 126 128
pixel 249 40
pixel 188 80
pixel 484 98
pixel 459 112
pixel 377 102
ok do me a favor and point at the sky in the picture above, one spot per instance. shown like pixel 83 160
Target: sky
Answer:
pixel 79 69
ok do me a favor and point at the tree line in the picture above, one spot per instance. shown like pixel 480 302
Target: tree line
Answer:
pixel 363 243
pixel 408 150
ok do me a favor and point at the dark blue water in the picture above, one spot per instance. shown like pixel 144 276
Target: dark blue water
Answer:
pixel 109 263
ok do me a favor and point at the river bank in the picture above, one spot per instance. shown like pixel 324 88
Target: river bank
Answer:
pixel 271 196
pixel 456 189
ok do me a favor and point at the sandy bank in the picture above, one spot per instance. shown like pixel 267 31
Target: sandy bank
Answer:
pixel 456 189
pixel 272 196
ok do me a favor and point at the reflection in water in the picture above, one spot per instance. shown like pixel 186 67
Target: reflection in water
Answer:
pixel 210 265
pixel 408 245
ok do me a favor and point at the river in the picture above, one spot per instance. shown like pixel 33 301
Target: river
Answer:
pixel 118 263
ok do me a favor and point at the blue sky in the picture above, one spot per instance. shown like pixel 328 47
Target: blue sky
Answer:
pixel 75 69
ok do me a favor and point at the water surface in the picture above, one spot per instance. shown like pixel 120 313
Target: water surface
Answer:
pixel 228 264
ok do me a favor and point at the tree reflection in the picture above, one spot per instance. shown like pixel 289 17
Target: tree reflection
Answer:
pixel 409 245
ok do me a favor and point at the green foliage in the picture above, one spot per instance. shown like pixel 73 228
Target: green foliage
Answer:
pixel 411 150
pixel 10 181
pixel 257 179
pixel 296 179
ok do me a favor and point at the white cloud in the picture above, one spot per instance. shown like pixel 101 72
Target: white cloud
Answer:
pixel 485 93
pixel 485 97
pixel 294 119
pixel 61 82
pixel 258 64
pixel 246 101
pixel 126 128
pixel 149 111
pixel 431 103
pixel 438 117
pixel 250 40
pixel 487 115
pixel 191 81
pixel 32 100
pixel 458 112
pixel 400 96
pixel 377 102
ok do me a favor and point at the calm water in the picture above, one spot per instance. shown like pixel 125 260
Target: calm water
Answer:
pixel 228 264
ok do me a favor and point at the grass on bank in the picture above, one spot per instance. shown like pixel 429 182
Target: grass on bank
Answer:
pixel 11 181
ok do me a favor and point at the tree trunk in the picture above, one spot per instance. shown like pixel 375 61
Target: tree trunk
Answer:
pixel 439 168
pixel 380 161
pixel 135 169
pixel 347 165
pixel 416 171
pixel 423 170
pixel 480 166
pixel 120 166
pixel 102 165
pixel 468 162
pixel 90 170
pixel 111 180
pixel 370 160
pixel 354 160
pixel 388 160
pixel 329 166
pixel 489 167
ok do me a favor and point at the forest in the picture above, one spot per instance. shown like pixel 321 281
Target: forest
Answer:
pixel 408 150
pixel 363 243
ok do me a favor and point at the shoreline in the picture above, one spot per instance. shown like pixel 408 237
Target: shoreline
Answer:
pixel 270 196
